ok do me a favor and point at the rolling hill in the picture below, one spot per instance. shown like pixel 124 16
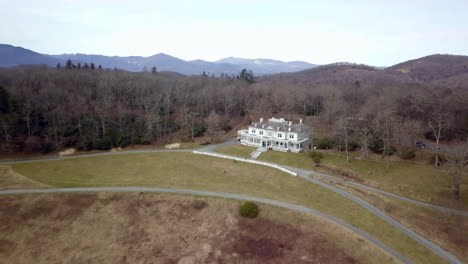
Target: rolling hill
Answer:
pixel 13 56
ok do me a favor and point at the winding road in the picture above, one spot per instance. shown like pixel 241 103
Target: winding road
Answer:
pixel 304 174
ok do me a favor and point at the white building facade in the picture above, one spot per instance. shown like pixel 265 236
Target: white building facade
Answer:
pixel 277 134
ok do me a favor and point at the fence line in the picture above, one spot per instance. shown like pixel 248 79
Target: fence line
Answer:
pixel 246 160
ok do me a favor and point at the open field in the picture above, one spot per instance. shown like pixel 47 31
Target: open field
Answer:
pixel 448 230
pixel 198 172
pixel 416 182
pixel 163 228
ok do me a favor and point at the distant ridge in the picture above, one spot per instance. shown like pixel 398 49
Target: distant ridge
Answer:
pixel 14 56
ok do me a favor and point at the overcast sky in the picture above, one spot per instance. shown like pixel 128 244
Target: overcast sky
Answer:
pixel 374 32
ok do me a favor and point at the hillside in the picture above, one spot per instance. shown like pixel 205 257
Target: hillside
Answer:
pixel 13 56
pixel 342 75
pixel 434 67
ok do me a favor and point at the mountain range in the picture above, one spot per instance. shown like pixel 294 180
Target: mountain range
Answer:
pixel 14 56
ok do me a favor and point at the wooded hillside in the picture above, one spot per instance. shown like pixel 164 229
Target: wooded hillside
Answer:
pixel 47 108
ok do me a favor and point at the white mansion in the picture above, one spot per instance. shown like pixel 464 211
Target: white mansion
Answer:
pixel 276 134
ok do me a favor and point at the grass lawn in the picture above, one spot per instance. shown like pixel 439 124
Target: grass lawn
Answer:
pixel 417 182
pixel 237 150
pixel 198 172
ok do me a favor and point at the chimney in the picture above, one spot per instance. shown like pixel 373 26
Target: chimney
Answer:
pixel 289 129
pixel 290 123
pixel 261 119
pixel 300 121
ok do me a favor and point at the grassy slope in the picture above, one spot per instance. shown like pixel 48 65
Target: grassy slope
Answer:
pixel 237 150
pixel 447 230
pixel 185 170
pixel 412 181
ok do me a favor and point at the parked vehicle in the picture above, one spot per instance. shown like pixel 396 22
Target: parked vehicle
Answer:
pixel 420 144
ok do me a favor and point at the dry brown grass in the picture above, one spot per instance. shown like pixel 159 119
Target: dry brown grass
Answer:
pixel 447 230
pixel 9 179
pixel 162 228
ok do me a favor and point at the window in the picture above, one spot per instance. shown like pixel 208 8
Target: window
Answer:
pixel 253 131
pixel 261 132
pixel 250 139
pixel 280 135
pixel 291 135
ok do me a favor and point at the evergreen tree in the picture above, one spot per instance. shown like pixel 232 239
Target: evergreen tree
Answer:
pixel 154 70
pixel 78 65
pixel 86 66
pixel 69 64
pixel 58 66
pixel 100 67
pixel 91 66
pixel 247 75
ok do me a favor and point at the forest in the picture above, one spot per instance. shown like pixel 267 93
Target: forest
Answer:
pixel 44 109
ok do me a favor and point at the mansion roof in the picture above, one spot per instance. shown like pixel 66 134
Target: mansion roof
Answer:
pixel 279 124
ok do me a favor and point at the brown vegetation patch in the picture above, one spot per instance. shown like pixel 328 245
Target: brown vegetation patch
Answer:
pixel 6 247
pixel 343 172
pixel 42 208
pixel 159 228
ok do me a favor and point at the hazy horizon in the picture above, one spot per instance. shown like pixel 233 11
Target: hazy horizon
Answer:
pixel 379 34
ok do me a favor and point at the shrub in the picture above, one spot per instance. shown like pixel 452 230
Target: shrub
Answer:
pixel 377 147
pixel 84 144
pixel 316 156
pixel 198 204
pixel 104 143
pixel 248 209
pixel 46 148
pixel 353 145
pixel 226 127
pixel 406 154
pixel 324 143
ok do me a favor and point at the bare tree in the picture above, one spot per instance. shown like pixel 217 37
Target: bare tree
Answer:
pixel 364 137
pixel 458 160
pixel 213 121
pixel 343 130
pixel 437 121
pixel 384 128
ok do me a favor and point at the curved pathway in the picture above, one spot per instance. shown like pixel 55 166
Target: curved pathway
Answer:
pixel 290 206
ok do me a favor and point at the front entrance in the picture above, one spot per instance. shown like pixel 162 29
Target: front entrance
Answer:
pixel 263 144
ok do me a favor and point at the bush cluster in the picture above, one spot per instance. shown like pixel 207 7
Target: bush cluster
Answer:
pixel 324 143
pixel 316 156
pixel 407 154
pixel 248 209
